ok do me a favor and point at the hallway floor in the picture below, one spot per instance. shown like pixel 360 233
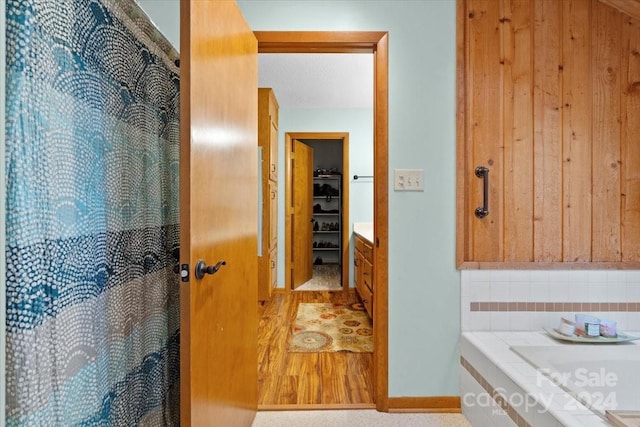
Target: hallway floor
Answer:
pixel 356 418
pixel 325 278
pixel 288 378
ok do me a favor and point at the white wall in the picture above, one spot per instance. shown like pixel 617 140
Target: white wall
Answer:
pixel 359 124
pixel 424 286
pixel 3 195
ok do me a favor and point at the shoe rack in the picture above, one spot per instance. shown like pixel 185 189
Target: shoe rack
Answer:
pixel 327 219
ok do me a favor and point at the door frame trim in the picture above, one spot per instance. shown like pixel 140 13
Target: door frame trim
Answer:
pixel 344 195
pixel 376 42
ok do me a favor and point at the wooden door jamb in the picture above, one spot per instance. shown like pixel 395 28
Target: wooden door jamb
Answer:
pixel 376 42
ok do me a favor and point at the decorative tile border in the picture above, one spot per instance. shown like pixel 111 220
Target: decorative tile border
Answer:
pixel 495 395
pixel 554 306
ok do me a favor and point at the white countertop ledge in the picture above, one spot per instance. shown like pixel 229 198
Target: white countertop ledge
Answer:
pixel 364 230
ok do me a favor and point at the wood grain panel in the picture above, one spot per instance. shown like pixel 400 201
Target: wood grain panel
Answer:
pixel 580 60
pixel 517 46
pixel 485 109
pixel 606 226
pixel 267 113
pixel 630 8
pixel 463 234
pixel 547 245
pixel 318 41
pixel 576 127
pixel 303 213
pixel 439 404
pixel 218 192
pixel 630 135
pixel 381 224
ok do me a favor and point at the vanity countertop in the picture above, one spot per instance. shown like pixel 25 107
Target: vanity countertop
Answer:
pixel 364 230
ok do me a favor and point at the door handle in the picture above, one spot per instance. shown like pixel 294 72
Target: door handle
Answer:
pixel 483 211
pixel 202 268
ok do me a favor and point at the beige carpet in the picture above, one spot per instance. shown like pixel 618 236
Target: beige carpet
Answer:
pixel 356 418
pixel 326 327
pixel 325 278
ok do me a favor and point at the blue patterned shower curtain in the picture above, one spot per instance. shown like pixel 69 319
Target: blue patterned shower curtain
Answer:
pixel 92 216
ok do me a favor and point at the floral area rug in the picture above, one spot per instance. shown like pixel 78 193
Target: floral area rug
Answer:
pixel 326 327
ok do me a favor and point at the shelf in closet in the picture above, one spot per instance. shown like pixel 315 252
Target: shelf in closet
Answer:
pixel 333 202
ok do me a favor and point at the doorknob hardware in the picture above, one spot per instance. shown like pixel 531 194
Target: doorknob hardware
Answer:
pixel 184 272
pixel 483 211
pixel 202 268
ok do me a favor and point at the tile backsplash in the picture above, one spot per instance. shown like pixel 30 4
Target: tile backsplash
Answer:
pixel 529 300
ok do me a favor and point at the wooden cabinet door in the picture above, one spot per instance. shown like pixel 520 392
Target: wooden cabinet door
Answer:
pixel 273 266
pixel 273 214
pixel 273 151
pixel 268 131
pixel 273 136
pixel 545 103
pixel 357 269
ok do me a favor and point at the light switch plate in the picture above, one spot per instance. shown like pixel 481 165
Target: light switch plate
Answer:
pixel 408 179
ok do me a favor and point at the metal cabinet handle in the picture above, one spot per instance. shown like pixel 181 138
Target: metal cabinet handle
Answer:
pixel 483 211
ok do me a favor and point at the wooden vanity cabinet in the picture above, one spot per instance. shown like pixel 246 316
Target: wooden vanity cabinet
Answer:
pixel 548 101
pixel 363 272
pixel 268 140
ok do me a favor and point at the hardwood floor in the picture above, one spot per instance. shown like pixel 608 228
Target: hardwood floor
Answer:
pixel 325 379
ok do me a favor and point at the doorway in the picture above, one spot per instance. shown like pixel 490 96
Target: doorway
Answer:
pixel 359 42
pixel 329 208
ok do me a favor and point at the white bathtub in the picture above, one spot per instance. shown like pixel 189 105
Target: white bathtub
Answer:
pixel 602 377
pixel 520 366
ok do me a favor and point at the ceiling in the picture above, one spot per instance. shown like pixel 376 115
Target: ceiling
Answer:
pixel 325 80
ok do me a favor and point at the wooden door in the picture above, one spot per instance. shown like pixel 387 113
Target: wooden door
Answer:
pixel 218 211
pixel 302 213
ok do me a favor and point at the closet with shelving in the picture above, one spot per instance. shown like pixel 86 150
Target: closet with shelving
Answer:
pixel 327 219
